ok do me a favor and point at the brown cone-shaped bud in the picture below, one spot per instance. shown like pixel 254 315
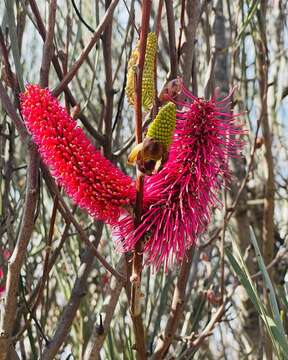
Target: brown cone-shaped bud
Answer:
pixel 171 90
pixel 151 153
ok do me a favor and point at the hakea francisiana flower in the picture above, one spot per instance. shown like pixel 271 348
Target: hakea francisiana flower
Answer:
pixel 179 199
pixel 88 178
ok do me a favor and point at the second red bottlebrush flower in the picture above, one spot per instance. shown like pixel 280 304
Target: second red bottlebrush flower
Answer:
pixel 87 177
pixel 179 199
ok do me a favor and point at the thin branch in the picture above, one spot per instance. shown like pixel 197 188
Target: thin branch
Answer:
pixel 42 31
pixel 81 18
pixel 137 253
pixel 36 293
pixel 48 48
pixel 19 252
pixel 78 292
pixel 11 111
pixel 107 18
pixel 109 92
pixel 97 337
pixel 205 333
pixel 172 40
pixel 176 311
pixel 66 213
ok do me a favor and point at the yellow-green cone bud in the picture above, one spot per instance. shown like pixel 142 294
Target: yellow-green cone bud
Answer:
pixel 130 83
pixel 162 127
pixel 148 84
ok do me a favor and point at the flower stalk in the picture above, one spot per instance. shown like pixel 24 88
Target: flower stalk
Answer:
pixel 137 261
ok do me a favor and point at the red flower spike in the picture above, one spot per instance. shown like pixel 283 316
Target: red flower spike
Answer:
pixel 87 177
pixel 178 200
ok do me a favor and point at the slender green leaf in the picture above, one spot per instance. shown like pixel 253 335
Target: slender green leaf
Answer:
pixel 282 341
pixel 244 280
pixel 283 297
pixel 14 41
pixel 268 284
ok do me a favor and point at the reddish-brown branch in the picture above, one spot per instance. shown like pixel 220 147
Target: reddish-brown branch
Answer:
pixel 48 48
pixel 137 254
pixel 182 25
pixel 172 40
pixel 8 77
pixel 158 18
pixel 109 92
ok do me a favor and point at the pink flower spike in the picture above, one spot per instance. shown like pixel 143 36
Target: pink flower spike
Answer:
pixel 87 177
pixel 180 198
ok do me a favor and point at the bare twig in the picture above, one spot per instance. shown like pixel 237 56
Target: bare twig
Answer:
pixel 11 111
pixel 193 13
pixel 97 338
pixel 81 17
pixel 19 252
pixel 96 36
pixel 172 40
pixel 78 292
pixel 177 306
pixel 205 333
pixel 36 293
pixel 42 31
pixel 109 92
pixel 66 213
pixel 182 26
pixel 48 48
pixel 137 253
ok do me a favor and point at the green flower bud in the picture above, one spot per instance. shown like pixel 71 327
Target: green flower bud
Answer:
pixel 162 127
pixel 148 83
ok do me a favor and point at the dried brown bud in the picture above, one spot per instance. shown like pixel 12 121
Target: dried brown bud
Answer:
pixel 259 142
pixel 171 90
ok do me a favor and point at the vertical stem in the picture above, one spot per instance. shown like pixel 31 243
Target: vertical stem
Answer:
pixel 15 262
pixel 137 254
pixel 176 310
pixel 109 92
pixel 172 40
pixel 268 216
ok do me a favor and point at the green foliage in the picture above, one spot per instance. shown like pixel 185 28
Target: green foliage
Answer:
pixel 272 322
